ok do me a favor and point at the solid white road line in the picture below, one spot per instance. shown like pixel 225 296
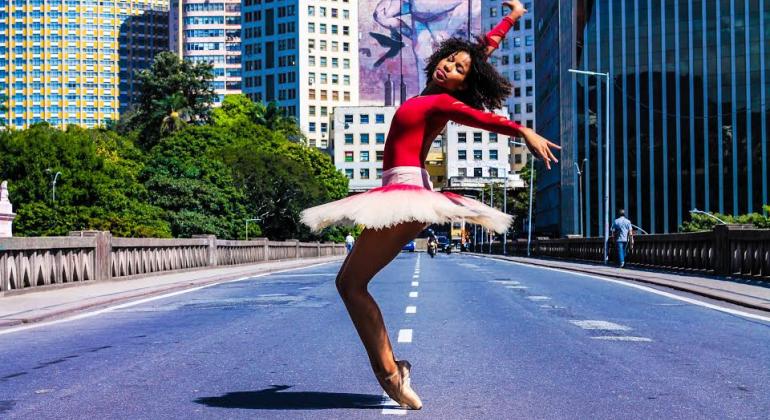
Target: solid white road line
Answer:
pixel 589 324
pixel 405 336
pixel 505 282
pixel 413 294
pixel 621 338
pixel 411 310
pixel 139 302
pixel 650 290
pixel 415 283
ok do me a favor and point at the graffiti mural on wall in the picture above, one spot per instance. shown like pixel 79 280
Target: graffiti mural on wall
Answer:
pixel 399 35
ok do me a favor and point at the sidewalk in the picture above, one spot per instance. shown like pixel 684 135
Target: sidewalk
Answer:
pixel 62 301
pixel 749 293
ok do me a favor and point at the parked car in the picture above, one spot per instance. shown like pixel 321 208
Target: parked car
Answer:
pixel 409 247
pixel 443 242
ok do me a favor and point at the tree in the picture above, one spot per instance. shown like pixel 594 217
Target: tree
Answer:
pixel 175 113
pixel 98 187
pixel 170 85
pixel 237 110
pixel 700 222
pixel 186 178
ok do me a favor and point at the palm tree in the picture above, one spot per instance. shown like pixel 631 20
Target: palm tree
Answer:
pixel 271 116
pixel 175 112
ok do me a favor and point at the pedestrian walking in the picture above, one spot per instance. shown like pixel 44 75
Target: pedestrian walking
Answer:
pixel 349 241
pixel 623 231
pixel 461 85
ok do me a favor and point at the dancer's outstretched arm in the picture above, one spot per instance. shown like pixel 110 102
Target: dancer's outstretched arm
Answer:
pixel 496 35
pixel 451 108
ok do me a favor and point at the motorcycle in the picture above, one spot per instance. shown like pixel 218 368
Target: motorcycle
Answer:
pixel 432 247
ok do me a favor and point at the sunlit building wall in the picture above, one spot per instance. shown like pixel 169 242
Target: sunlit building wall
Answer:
pixel 64 61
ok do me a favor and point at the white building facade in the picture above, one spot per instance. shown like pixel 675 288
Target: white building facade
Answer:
pixel 515 59
pixel 209 31
pixel 302 54
pixel 475 157
pixel 358 143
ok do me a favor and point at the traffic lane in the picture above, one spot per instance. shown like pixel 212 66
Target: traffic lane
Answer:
pixel 197 353
pixel 541 365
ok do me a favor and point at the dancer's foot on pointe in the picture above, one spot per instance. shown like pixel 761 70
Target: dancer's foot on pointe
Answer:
pixel 397 386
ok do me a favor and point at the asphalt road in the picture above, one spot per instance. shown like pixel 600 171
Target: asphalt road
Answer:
pixel 487 339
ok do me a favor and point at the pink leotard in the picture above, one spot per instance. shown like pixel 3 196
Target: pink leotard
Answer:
pixel 420 119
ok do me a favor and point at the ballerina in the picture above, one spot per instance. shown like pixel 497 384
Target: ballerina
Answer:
pixel 461 84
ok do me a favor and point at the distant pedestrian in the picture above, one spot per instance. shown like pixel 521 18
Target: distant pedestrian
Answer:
pixel 349 241
pixel 622 230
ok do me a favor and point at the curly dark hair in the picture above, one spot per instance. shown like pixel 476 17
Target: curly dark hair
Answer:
pixel 486 88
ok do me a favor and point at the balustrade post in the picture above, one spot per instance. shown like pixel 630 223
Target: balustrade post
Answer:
pixel 102 255
pixel 211 242
pixel 266 249
pixel 296 248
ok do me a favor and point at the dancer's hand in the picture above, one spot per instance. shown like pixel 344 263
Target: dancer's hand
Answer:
pixel 540 146
pixel 517 9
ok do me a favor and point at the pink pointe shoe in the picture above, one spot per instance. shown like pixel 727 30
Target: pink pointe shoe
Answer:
pixel 397 386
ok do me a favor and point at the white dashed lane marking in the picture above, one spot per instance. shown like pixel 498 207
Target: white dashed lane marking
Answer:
pixel 516 287
pixel 413 294
pixel 538 298
pixel 405 336
pixel 622 338
pixel 411 310
pixel 599 325
pixel 415 283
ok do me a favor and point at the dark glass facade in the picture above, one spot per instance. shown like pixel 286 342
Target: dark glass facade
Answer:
pixel 688 111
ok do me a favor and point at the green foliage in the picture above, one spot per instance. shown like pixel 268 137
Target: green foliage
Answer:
pixel 98 187
pixel 700 222
pixel 173 91
pixel 239 111
pixel 196 189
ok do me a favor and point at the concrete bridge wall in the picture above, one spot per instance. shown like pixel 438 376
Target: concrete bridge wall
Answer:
pixel 30 263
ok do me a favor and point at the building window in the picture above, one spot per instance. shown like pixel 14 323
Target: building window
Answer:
pixel 493 137
pixel 311 10
pixel 517 159
pixel 348 138
pixel 379 138
pixel 379 119
pixel 324 127
pixel 364 118
pixel 364 173
pixel 348 118
pixel 349 173
pixel 477 137
pixel 379 173
pixel 311 127
pixel 378 155
pixel 477 155
pixel 461 155
pixel 462 172
pixel 493 172
pixel 493 155
pixel 349 157
pixel 477 172
pixel 364 138
pixel 365 157
pixel 462 137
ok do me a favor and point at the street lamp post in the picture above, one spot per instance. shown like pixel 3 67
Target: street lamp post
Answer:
pixel 481 250
pixel 505 210
pixel 529 219
pixel 580 194
pixel 247 226
pixel 606 158
pixel 491 204
pixel 53 183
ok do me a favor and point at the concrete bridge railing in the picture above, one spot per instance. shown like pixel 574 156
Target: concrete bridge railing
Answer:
pixel 29 263
pixel 728 250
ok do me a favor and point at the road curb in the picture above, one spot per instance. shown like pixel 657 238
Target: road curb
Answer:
pixel 684 287
pixel 160 290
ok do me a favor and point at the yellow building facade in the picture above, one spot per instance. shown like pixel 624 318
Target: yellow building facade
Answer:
pixel 71 62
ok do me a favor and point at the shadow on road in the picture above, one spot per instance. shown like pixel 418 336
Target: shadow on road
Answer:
pixel 273 399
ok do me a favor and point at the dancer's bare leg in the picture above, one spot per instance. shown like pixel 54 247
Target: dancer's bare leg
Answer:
pixel 373 250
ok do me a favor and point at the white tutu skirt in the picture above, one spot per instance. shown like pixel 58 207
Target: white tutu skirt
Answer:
pixel 406 195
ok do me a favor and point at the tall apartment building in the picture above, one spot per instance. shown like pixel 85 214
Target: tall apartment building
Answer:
pixel 303 54
pixel 687 111
pixel 515 59
pixel 209 31
pixel 69 61
pixel 358 143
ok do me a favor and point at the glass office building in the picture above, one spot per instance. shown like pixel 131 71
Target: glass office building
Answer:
pixel 688 112
pixel 65 61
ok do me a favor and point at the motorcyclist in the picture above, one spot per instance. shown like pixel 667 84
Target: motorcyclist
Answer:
pixel 432 243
